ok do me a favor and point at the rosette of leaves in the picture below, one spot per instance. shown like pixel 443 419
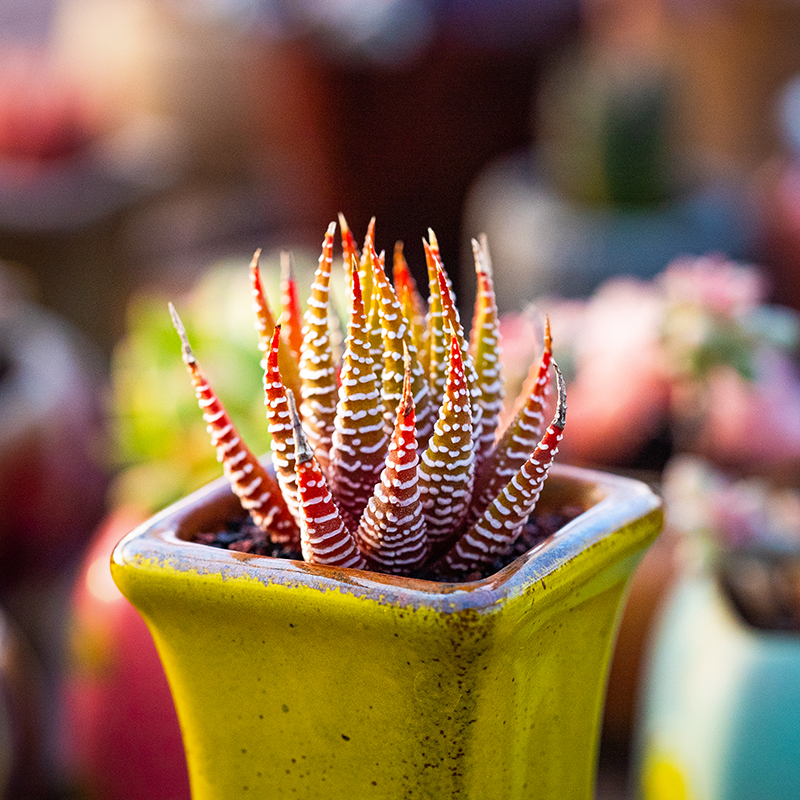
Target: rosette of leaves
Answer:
pixel 387 456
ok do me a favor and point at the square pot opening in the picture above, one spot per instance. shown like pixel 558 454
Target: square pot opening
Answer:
pixel 221 507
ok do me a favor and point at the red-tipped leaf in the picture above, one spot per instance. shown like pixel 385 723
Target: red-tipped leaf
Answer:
pixel 257 490
pixel 496 531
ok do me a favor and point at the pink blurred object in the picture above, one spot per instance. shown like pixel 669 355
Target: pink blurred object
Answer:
pixel 694 357
pixel 619 396
pixel 618 390
pixel 721 286
pixel 120 738
pixel 716 511
pixel 753 425
pixel 43 115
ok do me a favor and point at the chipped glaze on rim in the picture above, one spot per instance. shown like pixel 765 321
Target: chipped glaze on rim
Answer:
pixel 614 503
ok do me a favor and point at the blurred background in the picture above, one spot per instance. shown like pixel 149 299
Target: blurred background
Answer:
pixel 635 165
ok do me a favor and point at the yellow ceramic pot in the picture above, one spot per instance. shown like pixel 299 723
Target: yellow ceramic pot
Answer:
pixel 293 680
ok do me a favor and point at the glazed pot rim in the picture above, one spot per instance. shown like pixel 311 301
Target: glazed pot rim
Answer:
pixel 613 504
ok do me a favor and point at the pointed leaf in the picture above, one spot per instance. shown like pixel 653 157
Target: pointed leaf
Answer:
pixel 256 489
pixel 436 339
pixel 452 322
pixel 519 438
pixel 396 339
pixel 319 388
pixel 414 307
pixel 265 323
pixel 446 467
pixel 324 537
pixel 359 440
pixel 349 247
pixel 290 303
pixel 337 340
pixel 365 265
pixel 280 427
pixel 485 354
pixel 496 531
pixel 392 530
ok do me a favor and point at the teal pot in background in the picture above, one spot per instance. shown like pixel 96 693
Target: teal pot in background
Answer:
pixel 720 717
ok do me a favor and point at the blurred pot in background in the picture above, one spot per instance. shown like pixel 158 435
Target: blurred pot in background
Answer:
pixel 607 189
pixel 52 491
pixel 119 736
pixel 721 702
pixel 52 483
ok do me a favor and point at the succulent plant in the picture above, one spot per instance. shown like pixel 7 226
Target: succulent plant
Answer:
pixel 389 459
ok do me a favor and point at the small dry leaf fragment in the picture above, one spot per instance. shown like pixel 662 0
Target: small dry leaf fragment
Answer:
pixel 257 490
pixel 497 530
pixel 324 537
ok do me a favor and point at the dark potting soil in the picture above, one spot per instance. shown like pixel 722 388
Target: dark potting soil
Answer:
pixel 243 536
pixel 764 587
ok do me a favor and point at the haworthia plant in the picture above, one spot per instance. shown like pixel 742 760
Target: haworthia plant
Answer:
pixel 365 479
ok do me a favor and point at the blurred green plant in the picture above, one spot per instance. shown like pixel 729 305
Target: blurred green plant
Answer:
pixel 160 452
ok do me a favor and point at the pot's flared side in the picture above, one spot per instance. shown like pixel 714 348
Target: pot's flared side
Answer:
pixel 302 683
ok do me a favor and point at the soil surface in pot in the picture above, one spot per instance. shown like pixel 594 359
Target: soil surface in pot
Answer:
pixel 764 587
pixel 242 535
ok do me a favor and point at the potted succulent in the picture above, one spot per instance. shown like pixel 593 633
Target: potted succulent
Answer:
pixel 380 614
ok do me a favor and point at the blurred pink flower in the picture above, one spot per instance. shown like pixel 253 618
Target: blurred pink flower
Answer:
pixel 695 351
pixel 754 425
pixel 713 282
pixel 618 396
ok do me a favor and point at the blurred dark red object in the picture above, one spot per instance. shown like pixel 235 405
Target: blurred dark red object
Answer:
pixel 52 483
pixel 42 114
pixel 119 734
